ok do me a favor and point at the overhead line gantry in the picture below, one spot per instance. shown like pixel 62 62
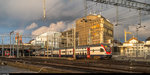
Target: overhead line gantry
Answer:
pixel 126 3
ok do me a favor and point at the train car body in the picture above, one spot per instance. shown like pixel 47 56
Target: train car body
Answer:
pixel 92 51
pixel 7 53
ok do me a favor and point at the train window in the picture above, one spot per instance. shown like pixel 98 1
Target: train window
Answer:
pixel 93 50
pixel 82 53
pixel 63 51
pixel 101 50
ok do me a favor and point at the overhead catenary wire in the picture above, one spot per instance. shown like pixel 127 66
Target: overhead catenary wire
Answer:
pixel 88 9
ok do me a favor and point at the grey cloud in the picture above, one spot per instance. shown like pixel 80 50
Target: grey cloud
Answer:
pixel 32 26
pixel 33 9
pixel 58 27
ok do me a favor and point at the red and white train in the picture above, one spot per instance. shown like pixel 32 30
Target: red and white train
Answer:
pixel 92 51
pixel 7 53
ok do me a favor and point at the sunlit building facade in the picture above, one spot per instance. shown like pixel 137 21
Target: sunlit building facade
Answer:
pixel 133 48
pixel 94 29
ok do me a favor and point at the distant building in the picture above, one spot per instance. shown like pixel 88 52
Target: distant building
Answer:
pixel 147 47
pixel 52 37
pixel 94 29
pixel 133 48
pixel 147 41
pixel 67 39
pixel 31 41
pixel 116 47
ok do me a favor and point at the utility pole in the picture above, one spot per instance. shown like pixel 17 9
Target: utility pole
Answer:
pixel 137 29
pixel 74 42
pixel 2 46
pixel 72 35
pixel 44 9
pixel 67 39
pixel 10 43
pixel 13 45
pixel 47 46
pixel 17 46
pixel 117 25
pixel 53 42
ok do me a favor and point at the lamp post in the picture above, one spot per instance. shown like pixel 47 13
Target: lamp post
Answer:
pixel 47 45
pixel 53 44
pixel 10 42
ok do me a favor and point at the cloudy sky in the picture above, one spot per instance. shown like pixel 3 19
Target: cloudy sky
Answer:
pixel 25 16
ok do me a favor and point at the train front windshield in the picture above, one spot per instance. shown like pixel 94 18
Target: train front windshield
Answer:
pixel 107 48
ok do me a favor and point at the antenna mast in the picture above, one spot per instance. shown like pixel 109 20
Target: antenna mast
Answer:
pixel 85 8
pixel 44 9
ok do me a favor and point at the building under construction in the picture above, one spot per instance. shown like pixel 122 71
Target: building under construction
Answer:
pixel 67 39
pixel 94 29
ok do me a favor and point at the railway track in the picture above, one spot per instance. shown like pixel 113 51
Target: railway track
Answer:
pixel 86 66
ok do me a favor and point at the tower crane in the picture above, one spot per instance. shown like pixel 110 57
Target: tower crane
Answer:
pixel 125 32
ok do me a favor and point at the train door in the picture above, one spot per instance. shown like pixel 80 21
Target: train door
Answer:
pixel 7 53
pixel 59 53
pixel 88 53
pixel 73 53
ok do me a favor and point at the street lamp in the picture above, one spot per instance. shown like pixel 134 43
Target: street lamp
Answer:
pixel 10 41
